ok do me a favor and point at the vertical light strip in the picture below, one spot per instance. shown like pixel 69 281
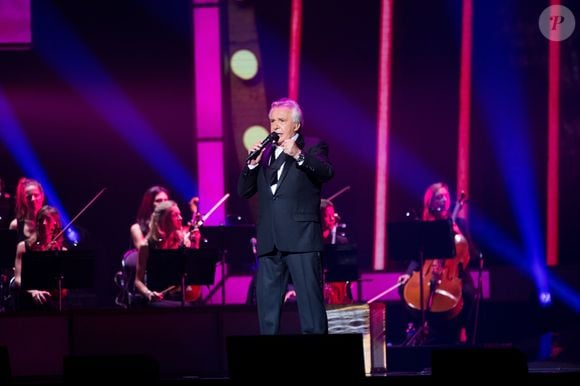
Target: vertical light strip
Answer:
pixel 15 28
pixel 209 152
pixel 463 137
pixel 384 97
pixel 295 42
pixel 553 179
pixel 208 106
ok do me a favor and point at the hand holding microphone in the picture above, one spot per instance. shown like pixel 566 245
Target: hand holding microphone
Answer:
pixel 257 149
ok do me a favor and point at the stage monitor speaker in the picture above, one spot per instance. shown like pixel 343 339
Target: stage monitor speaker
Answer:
pixel 488 364
pixel 5 368
pixel 408 359
pixel 132 368
pixel 297 357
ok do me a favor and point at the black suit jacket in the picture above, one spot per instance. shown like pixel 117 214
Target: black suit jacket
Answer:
pixel 289 220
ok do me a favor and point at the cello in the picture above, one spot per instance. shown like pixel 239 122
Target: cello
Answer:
pixel 442 285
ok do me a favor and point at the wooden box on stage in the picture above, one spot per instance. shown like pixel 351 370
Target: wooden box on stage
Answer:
pixel 366 319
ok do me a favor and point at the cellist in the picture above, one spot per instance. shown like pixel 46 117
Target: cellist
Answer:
pixel 441 330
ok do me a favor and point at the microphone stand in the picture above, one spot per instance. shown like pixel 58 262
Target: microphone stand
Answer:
pixel 478 296
pixel 423 330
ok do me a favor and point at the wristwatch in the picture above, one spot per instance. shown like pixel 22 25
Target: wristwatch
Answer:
pixel 300 158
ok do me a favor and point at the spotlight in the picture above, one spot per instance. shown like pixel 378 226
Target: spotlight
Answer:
pixel 254 134
pixel 545 299
pixel 244 64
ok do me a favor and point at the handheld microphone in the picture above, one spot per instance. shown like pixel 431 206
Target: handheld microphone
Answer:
pixel 272 137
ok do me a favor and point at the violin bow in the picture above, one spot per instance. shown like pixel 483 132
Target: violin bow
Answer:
pixel 213 209
pixel 341 191
pixel 390 289
pixel 77 216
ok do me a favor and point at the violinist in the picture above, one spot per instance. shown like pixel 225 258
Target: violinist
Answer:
pixel 166 233
pixel 29 199
pixel 450 327
pixel 152 197
pixel 334 292
pixel 47 227
pixel 125 279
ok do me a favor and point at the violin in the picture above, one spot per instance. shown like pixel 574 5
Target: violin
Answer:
pixel 192 231
pixel 193 292
pixel 442 286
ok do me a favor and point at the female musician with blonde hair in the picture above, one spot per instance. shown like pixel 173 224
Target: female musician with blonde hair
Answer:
pixel 125 279
pixel 449 325
pixel 166 233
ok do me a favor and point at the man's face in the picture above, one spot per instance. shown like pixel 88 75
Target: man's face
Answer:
pixel 281 123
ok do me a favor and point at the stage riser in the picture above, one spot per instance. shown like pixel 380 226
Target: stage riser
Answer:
pixel 192 341
pixel 184 342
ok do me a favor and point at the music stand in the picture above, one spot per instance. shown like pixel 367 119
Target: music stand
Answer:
pixel 419 241
pixel 234 244
pixel 184 266
pixel 48 270
pixel 340 262
pixel 8 241
pixel 6 211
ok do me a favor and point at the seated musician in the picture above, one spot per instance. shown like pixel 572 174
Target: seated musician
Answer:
pixel 334 292
pixel 47 226
pixel 125 278
pixel 166 233
pixel 446 327
pixel 29 199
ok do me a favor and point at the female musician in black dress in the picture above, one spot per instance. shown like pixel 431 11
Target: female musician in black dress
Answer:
pixel 452 300
pixel 47 237
pixel 166 233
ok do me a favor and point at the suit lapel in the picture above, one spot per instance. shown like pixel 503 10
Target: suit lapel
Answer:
pixel 300 142
pixel 289 161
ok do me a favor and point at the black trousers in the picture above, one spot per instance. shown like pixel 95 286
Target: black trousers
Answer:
pixel 272 280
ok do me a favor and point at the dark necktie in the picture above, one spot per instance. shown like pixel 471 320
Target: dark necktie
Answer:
pixel 275 163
